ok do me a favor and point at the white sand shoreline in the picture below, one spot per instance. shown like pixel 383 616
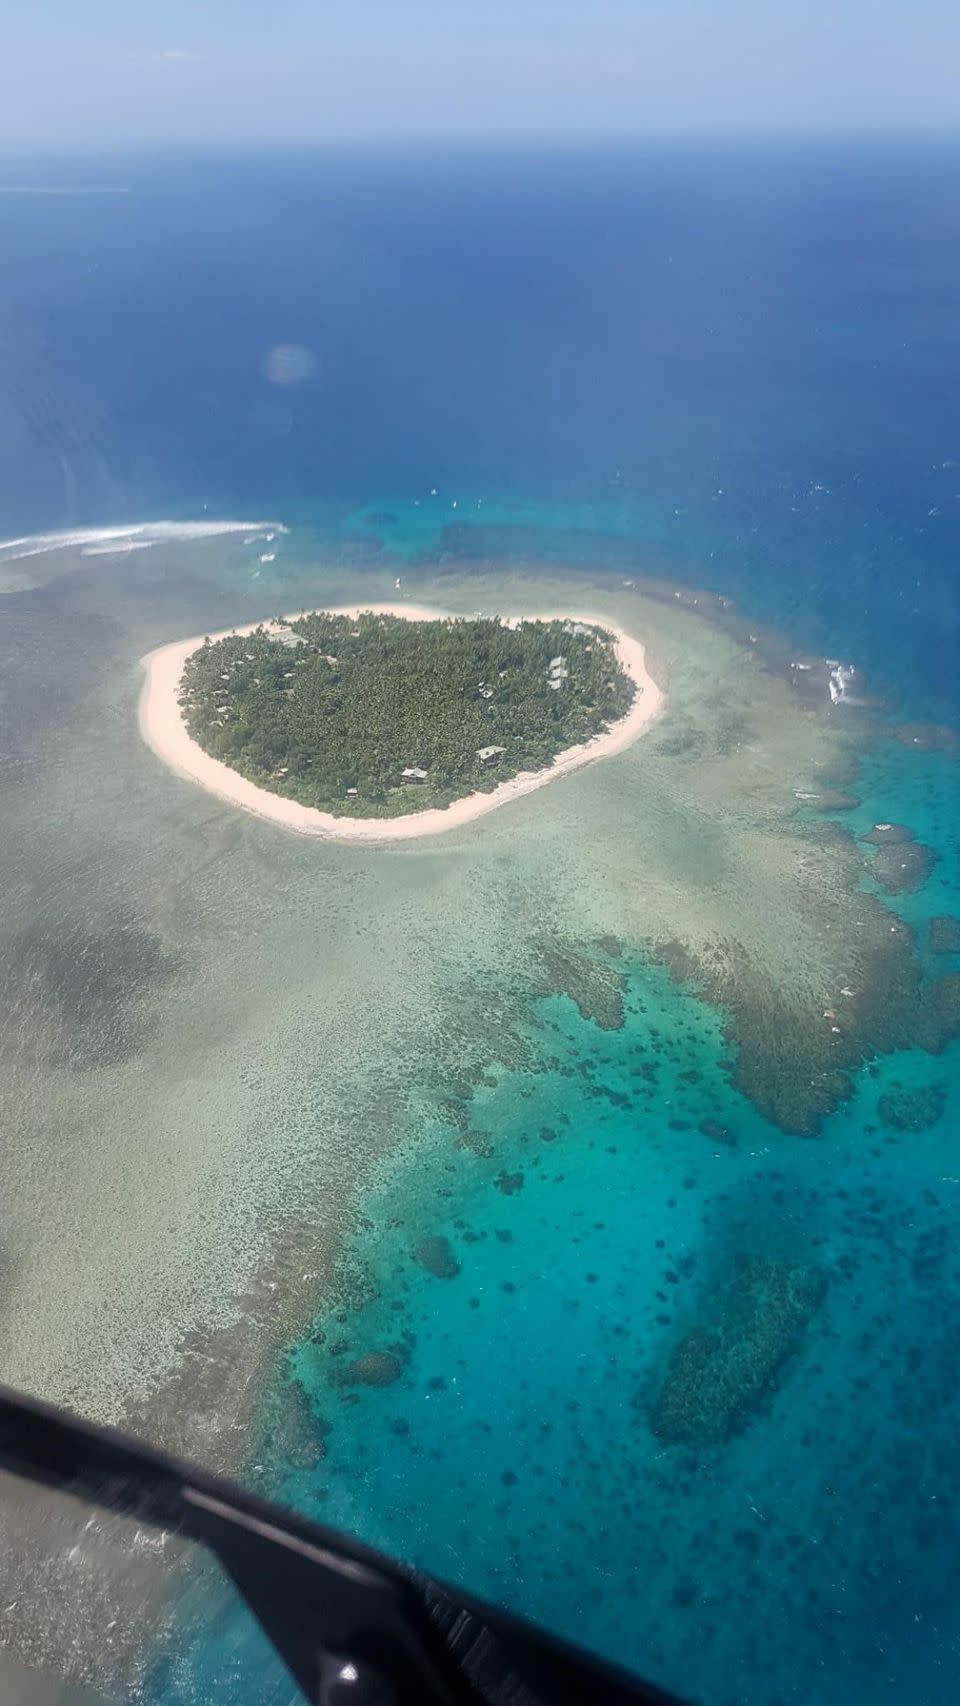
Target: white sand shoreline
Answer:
pixel 165 732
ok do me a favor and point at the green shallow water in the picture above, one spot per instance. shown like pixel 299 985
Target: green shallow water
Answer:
pixel 245 1076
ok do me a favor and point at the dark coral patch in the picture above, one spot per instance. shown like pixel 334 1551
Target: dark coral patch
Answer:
pixel 834 800
pixel 913 1110
pixel 888 835
pixel 901 868
pixel 435 1255
pixel 721 1372
pixel 377 1368
pixel 945 934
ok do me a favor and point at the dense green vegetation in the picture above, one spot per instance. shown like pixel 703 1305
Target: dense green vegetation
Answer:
pixel 326 705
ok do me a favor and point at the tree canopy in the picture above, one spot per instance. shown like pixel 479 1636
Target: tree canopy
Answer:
pixel 332 711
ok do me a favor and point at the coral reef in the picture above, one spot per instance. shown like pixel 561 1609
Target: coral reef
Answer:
pixel 840 770
pixel 376 1368
pixel 833 800
pixel 296 1434
pixel 433 1253
pixel 912 1110
pixel 941 1005
pixel 888 835
pixel 680 738
pixel 901 868
pixel 796 1038
pixel 509 1183
pixel 721 1372
pixel 85 994
pixel 569 969
pixel 718 1133
pixel 611 946
pixel 944 935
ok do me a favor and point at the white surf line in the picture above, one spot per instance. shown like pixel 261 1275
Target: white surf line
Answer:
pixel 152 532
pixel 164 729
pixel 64 189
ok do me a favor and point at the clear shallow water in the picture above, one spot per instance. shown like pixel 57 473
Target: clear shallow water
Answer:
pixel 734 372
pixel 591 1222
pixel 516 1451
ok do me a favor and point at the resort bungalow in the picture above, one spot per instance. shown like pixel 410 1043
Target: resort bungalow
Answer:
pixel 557 672
pixel 489 754
pixel 413 773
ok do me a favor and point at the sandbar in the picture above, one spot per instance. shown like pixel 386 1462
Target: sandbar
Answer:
pixel 163 728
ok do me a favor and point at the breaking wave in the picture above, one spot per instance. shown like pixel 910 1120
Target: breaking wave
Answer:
pixel 840 680
pixel 98 541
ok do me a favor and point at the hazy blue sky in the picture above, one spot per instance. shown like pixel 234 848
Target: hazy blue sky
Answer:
pixel 92 70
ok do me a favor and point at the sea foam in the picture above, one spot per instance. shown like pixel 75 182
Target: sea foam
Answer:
pixel 839 680
pixel 98 540
pixel 120 548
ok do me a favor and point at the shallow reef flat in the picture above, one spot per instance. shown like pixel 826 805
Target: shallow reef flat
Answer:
pixel 709 859
pixel 219 1039
pixel 300 1003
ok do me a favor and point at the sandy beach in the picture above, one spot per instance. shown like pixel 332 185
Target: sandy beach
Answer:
pixel 165 732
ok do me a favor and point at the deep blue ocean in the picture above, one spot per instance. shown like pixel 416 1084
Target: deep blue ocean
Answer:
pixel 733 367
pixel 745 360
